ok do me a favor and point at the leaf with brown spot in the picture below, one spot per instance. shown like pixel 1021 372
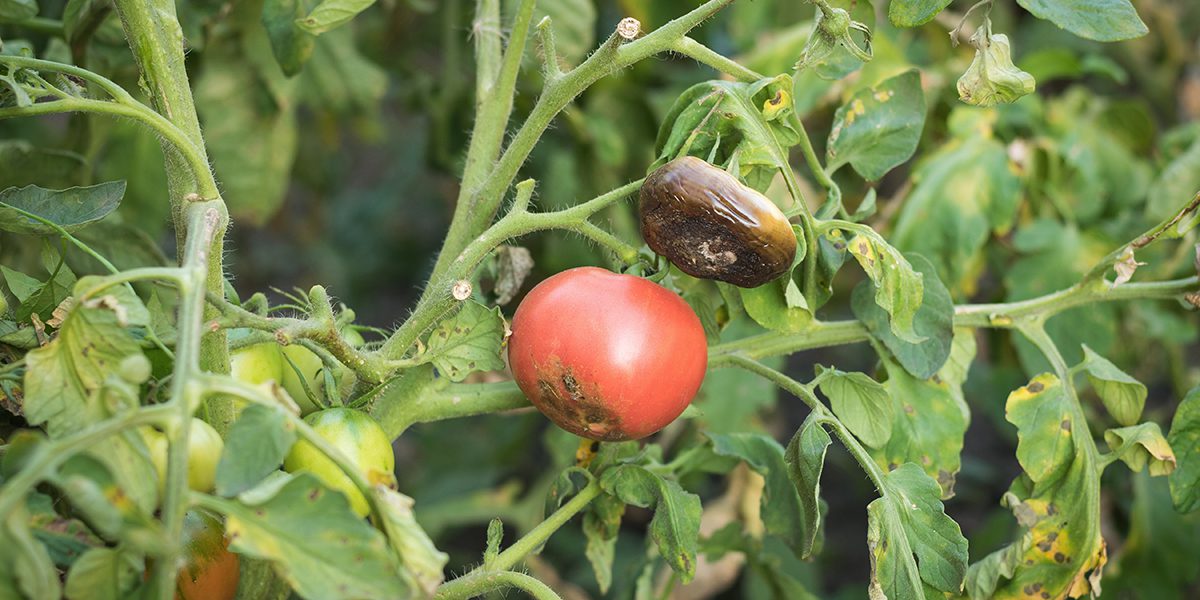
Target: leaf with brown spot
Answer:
pixel 319 546
pixel 471 340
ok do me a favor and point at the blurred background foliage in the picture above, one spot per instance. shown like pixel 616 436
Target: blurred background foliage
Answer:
pixel 344 174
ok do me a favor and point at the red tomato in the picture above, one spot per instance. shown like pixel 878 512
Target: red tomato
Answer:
pixel 607 356
pixel 212 571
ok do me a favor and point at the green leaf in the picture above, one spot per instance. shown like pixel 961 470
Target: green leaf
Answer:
pixel 1184 437
pixel 1141 445
pixel 18 10
pixel 249 120
pixel 781 510
pixel 914 545
pixel 339 79
pixel 467 342
pixel 754 122
pixel 601 524
pixel 421 559
pixel 100 489
pixel 71 209
pixel 898 288
pixel 1100 20
pixel 933 321
pixel 963 191
pixel 805 456
pixel 861 403
pixel 879 127
pixel 255 446
pixel 1123 396
pixel 675 527
pixel 291 45
pixel 314 541
pixel 63 376
pixel 22 164
pixel 332 13
pixel 1157 556
pixel 1041 411
pixel 911 13
pixel 779 305
pixel 28 572
pixel 104 574
pixel 1175 185
pixel 929 425
pixel 66 539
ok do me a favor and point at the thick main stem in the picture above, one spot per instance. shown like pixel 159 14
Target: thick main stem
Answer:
pixel 156 39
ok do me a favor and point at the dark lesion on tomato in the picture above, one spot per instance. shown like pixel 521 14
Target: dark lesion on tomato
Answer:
pixel 706 249
pixel 575 407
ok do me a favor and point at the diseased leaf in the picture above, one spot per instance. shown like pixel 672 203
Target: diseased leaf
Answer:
pixel 1184 437
pixel 781 507
pixel 255 446
pixel 601 523
pixel 879 127
pixel 934 321
pixel 861 403
pixel 1123 396
pixel 898 288
pixel 422 561
pixel 928 428
pixel 1141 445
pixel 675 527
pixel 1057 502
pixel 914 545
pixel 467 342
pixel 314 541
pixel 805 456
pixel 71 209
pixel 1100 20
pixel 911 13
pixel 1042 413
pixel 992 77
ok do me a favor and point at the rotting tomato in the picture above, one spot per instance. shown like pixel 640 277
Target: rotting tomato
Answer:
pixel 212 571
pixel 360 438
pixel 708 224
pixel 204 452
pixel 607 356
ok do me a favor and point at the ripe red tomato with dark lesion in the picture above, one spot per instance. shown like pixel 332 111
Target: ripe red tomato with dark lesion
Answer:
pixel 607 356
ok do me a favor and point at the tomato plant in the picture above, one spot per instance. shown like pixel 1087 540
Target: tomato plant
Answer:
pixel 712 239
pixel 607 356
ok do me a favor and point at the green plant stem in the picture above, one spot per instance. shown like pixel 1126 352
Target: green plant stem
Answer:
pixel 707 56
pixel 1147 238
pixel 47 457
pixel 478 207
pixel 482 582
pixel 437 301
pixel 37 25
pixel 455 401
pixel 205 221
pixel 539 534
pixel 156 38
pixel 824 415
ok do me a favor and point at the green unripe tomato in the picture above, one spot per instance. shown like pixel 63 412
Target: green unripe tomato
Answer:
pixel 360 438
pixel 257 363
pixel 353 337
pixel 204 452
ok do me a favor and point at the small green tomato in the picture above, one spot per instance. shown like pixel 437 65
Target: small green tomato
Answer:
pixel 360 438
pixel 204 452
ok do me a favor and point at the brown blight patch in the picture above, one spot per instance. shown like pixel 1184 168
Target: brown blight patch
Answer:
pixel 576 406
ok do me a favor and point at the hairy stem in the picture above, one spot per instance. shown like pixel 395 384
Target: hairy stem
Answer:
pixel 480 583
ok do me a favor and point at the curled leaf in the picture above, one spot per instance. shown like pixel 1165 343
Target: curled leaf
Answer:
pixel 992 77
